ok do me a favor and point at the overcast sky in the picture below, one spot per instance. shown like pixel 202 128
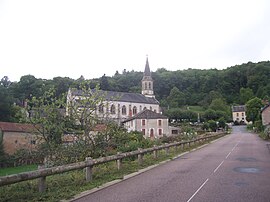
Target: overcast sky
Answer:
pixel 94 37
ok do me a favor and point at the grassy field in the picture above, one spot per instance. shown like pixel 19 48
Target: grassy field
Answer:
pixel 197 109
pixel 66 185
pixel 19 169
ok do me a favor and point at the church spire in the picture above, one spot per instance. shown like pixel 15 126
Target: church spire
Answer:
pixel 147 81
pixel 147 68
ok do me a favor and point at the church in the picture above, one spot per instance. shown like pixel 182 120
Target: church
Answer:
pixel 124 108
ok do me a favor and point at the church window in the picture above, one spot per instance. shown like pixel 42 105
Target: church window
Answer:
pixel 112 109
pixel 140 108
pixel 134 110
pixel 145 86
pixel 124 110
pixel 101 108
pixel 150 87
pixel 150 108
pixel 144 108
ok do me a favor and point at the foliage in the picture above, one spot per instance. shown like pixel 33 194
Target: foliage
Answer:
pixel 212 125
pixel 46 117
pixel 253 108
pixel 245 95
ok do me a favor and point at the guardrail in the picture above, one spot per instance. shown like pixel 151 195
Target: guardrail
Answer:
pixel 88 164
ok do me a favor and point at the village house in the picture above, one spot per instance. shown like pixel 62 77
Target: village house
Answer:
pixel 239 114
pixel 124 107
pixel 18 136
pixel 151 124
pixel 266 115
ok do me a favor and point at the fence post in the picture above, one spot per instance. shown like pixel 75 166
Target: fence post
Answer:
pixel 155 152
pixel 88 170
pixel 41 181
pixel 166 149
pixel 175 147
pixel 119 162
pixel 182 146
pixel 140 156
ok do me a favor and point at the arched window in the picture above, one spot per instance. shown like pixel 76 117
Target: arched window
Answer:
pixel 124 110
pixel 150 86
pixel 140 108
pixel 112 109
pixel 145 86
pixel 144 108
pixel 134 110
pixel 150 108
pixel 101 108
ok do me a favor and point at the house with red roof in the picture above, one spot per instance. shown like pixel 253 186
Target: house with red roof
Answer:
pixel 18 136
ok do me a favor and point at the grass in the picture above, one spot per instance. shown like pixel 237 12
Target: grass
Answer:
pixel 19 169
pixel 66 185
pixel 197 109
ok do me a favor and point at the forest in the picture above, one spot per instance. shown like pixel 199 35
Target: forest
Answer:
pixel 173 89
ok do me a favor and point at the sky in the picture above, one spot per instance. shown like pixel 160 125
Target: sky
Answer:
pixel 50 38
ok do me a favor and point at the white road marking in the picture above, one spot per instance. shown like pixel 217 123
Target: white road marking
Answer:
pixel 197 190
pixel 228 155
pixel 235 146
pixel 218 166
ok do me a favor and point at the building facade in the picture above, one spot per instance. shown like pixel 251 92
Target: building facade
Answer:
pixel 239 114
pixel 266 115
pixel 18 136
pixel 151 124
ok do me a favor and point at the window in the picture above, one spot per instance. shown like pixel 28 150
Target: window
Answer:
pixel 144 108
pixel 160 131
pixel 101 108
pixel 237 114
pixel 151 132
pixel 174 132
pixel 112 109
pixel 143 122
pixel 145 86
pixel 124 110
pixel 159 122
pixel 150 86
pixel 134 110
pixel 143 131
pixel 150 108
pixel 242 113
pixel 140 108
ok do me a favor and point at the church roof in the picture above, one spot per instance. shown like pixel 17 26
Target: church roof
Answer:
pixel 147 69
pixel 147 114
pixel 119 96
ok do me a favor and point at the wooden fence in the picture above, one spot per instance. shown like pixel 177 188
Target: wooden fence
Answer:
pixel 88 164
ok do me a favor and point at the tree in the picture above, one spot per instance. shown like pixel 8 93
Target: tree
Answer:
pixel 46 117
pixel 245 95
pixel 176 98
pixel 82 118
pixel 212 125
pixel 253 108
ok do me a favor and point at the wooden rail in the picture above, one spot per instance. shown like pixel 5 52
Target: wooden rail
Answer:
pixel 42 172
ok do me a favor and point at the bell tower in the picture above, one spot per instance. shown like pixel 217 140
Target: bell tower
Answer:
pixel 147 81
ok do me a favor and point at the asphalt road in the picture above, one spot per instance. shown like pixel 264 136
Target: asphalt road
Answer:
pixel 234 168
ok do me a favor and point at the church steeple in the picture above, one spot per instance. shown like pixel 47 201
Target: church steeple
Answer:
pixel 147 81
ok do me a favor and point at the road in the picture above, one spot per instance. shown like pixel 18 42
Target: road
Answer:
pixel 234 168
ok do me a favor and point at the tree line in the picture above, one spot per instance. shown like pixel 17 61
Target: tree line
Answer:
pixel 174 89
